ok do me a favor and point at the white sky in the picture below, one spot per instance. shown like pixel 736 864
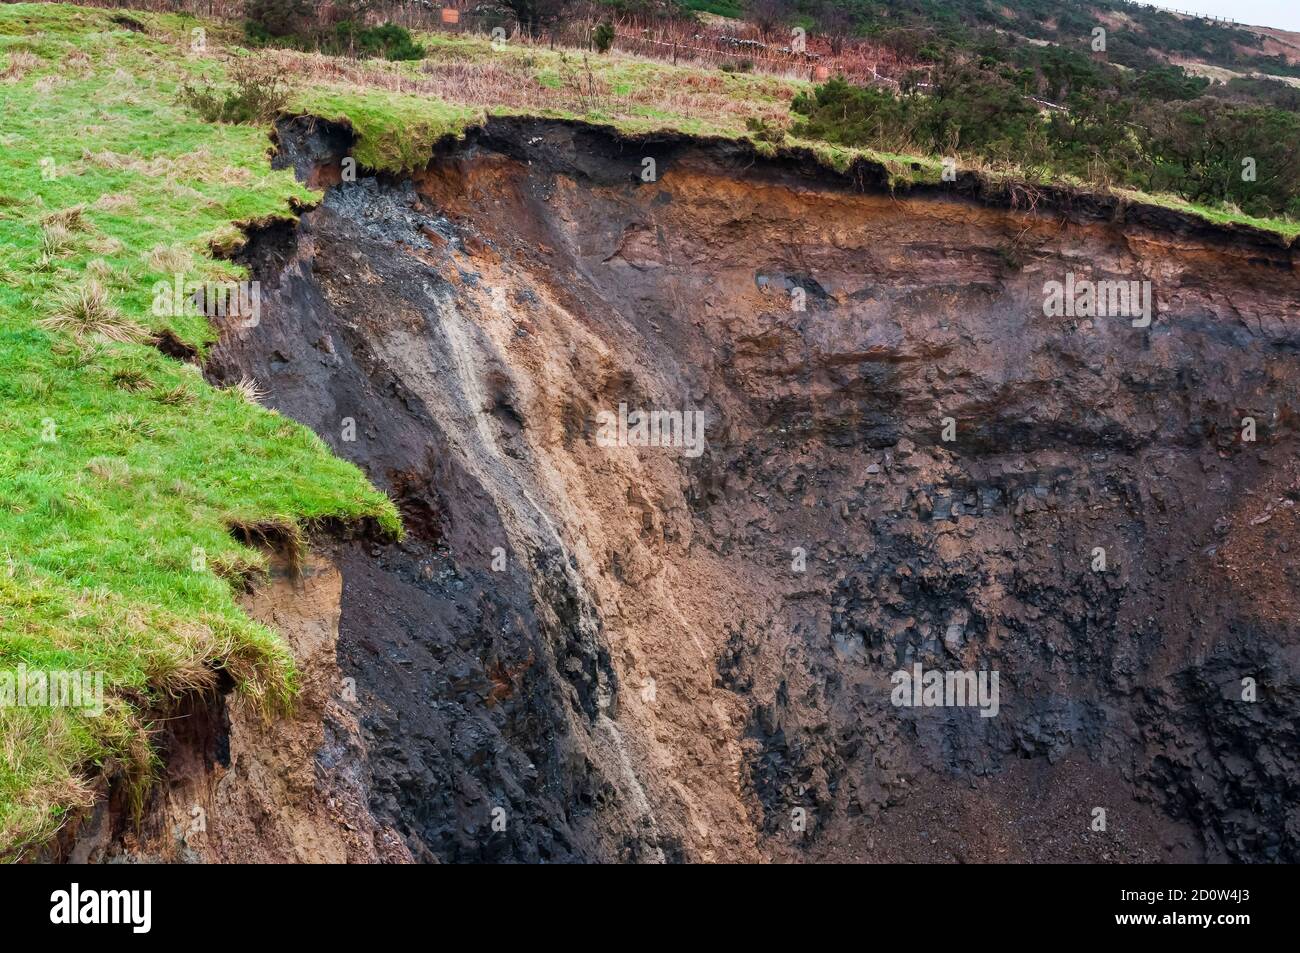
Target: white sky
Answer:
pixel 1279 13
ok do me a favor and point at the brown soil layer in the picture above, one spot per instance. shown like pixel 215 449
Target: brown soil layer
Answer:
pixel 239 788
pixel 593 653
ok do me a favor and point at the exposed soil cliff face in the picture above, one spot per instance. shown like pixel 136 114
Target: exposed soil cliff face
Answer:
pixel 591 652
pixel 240 788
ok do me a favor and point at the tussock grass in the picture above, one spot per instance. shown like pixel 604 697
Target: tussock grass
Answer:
pixel 71 219
pixel 115 202
pixel 169 259
pixel 250 390
pixel 86 311
pixel 16 65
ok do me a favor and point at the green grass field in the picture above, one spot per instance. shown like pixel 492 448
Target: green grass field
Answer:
pixel 121 471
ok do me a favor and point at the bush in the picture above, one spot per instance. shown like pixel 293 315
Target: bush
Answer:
pixel 1164 83
pixel 1202 149
pixel 760 130
pixel 603 37
pixel 849 115
pixel 258 94
pixel 336 29
pixel 535 16
pixel 1199 150
pixel 276 18
pixel 389 41
pixel 257 34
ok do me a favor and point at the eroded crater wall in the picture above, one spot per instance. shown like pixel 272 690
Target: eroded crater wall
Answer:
pixel 623 649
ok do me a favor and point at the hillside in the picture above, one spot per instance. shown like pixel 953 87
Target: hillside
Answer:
pixel 124 475
pixel 358 570
pixel 1138 33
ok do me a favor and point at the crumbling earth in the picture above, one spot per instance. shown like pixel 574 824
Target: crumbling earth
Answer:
pixel 590 653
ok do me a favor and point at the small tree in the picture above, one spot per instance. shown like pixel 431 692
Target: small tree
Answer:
pixel 278 17
pixel 533 16
pixel 603 37
pixel 768 15
pixel 835 22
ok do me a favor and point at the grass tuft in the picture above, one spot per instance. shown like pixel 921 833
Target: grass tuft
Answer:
pixel 71 219
pixel 56 241
pixel 249 390
pixel 85 311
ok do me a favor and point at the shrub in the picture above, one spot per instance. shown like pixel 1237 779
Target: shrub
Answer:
pixel 259 93
pixel 534 16
pixel 276 18
pixel 849 115
pixel 1199 149
pixel 1202 149
pixel 761 130
pixel 603 37
pixel 389 41
pixel 400 45
pixel 1165 83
